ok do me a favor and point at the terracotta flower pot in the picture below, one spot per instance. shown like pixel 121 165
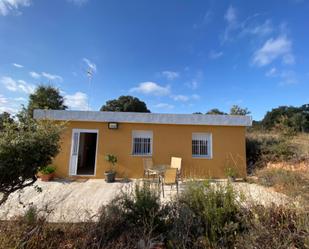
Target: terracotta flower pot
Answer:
pixel 46 177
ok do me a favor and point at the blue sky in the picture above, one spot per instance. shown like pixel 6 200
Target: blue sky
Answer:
pixel 179 56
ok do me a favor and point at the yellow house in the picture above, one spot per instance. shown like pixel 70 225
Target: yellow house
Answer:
pixel 207 144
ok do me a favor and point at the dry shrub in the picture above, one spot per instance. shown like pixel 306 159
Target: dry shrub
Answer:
pixel 293 183
pixel 264 148
pixel 207 216
pixel 43 235
pixel 132 218
pixel 276 227
pixel 204 216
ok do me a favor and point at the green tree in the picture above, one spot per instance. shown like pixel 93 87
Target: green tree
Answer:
pixel 216 111
pixel 237 110
pixel 297 117
pixel 125 104
pixel 299 122
pixel 45 97
pixel 24 148
pixel 5 117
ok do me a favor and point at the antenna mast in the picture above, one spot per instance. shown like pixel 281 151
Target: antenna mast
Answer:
pixel 89 75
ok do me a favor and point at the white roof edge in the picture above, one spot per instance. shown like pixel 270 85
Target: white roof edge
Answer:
pixel 148 118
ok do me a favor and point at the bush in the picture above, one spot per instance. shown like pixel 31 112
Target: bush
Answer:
pixel 31 215
pixel 133 216
pixel 214 214
pixel 47 170
pixel 276 227
pixel 261 149
pixel 24 147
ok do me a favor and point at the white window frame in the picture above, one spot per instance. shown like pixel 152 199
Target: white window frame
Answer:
pixel 142 134
pixel 206 137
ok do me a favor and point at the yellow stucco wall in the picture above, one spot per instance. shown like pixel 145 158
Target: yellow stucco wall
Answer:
pixel 228 149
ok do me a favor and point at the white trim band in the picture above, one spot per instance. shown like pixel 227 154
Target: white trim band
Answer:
pixel 147 118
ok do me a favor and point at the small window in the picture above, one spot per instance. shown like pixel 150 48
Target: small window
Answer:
pixel 201 145
pixel 142 143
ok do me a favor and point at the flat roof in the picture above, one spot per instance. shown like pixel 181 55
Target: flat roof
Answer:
pixel 146 118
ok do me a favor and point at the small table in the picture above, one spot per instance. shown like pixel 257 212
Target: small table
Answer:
pixel 160 170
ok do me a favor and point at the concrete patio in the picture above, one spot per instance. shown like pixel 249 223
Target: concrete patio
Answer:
pixel 76 201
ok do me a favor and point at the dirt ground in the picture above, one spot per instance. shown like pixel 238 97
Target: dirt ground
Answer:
pixel 73 201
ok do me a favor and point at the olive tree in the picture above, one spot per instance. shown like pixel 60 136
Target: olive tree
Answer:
pixel 237 110
pixel 24 148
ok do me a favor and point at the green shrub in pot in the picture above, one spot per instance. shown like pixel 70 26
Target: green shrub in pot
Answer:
pixel 111 173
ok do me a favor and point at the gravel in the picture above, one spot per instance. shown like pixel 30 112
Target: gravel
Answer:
pixel 77 201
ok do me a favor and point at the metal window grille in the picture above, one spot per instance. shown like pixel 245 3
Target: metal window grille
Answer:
pixel 201 145
pixel 141 146
pixel 142 143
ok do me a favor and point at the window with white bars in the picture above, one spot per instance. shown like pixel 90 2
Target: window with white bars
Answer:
pixel 201 145
pixel 142 143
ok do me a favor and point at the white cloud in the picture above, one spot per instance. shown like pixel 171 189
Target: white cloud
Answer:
pixel 164 106
pixel 78 2
pixel 180 97
pixel 52 76
pixel 273 49
pixel 8 105
pixel 20 99
pixel 230 15
pixel 170 75
pixel 232 23
pixel 195 96
pixel 9 83
pixel 25 87
pixel 286 77
pixel 263 29
pixel 17 65
pixel 12 6
pixel 8 109
pixel 3 100
pixel 78 101
pixel 17 86
pixel 90 64
pixel 151 88
pixel 195 81
pixel 272 72
pixel 35 75
pixel 185 98
pixel 215 54
pixel 193 84
pixel 206 18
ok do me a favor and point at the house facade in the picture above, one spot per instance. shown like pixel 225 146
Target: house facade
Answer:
pixel 207 144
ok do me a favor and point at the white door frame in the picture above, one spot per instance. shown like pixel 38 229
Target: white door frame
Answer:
pixel 74 161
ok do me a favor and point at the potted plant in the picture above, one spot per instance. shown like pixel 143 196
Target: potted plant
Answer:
pixel 111 173
pixel 231 174
pixel 46 173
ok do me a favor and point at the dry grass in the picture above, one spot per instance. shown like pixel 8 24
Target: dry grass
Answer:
pixel 290 182
pixel 301 142
pixel 40 234
pixel 288 175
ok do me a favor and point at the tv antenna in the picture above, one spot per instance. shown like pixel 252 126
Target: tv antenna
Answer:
pixel 89 75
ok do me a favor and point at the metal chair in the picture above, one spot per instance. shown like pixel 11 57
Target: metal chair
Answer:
pixel 148 167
